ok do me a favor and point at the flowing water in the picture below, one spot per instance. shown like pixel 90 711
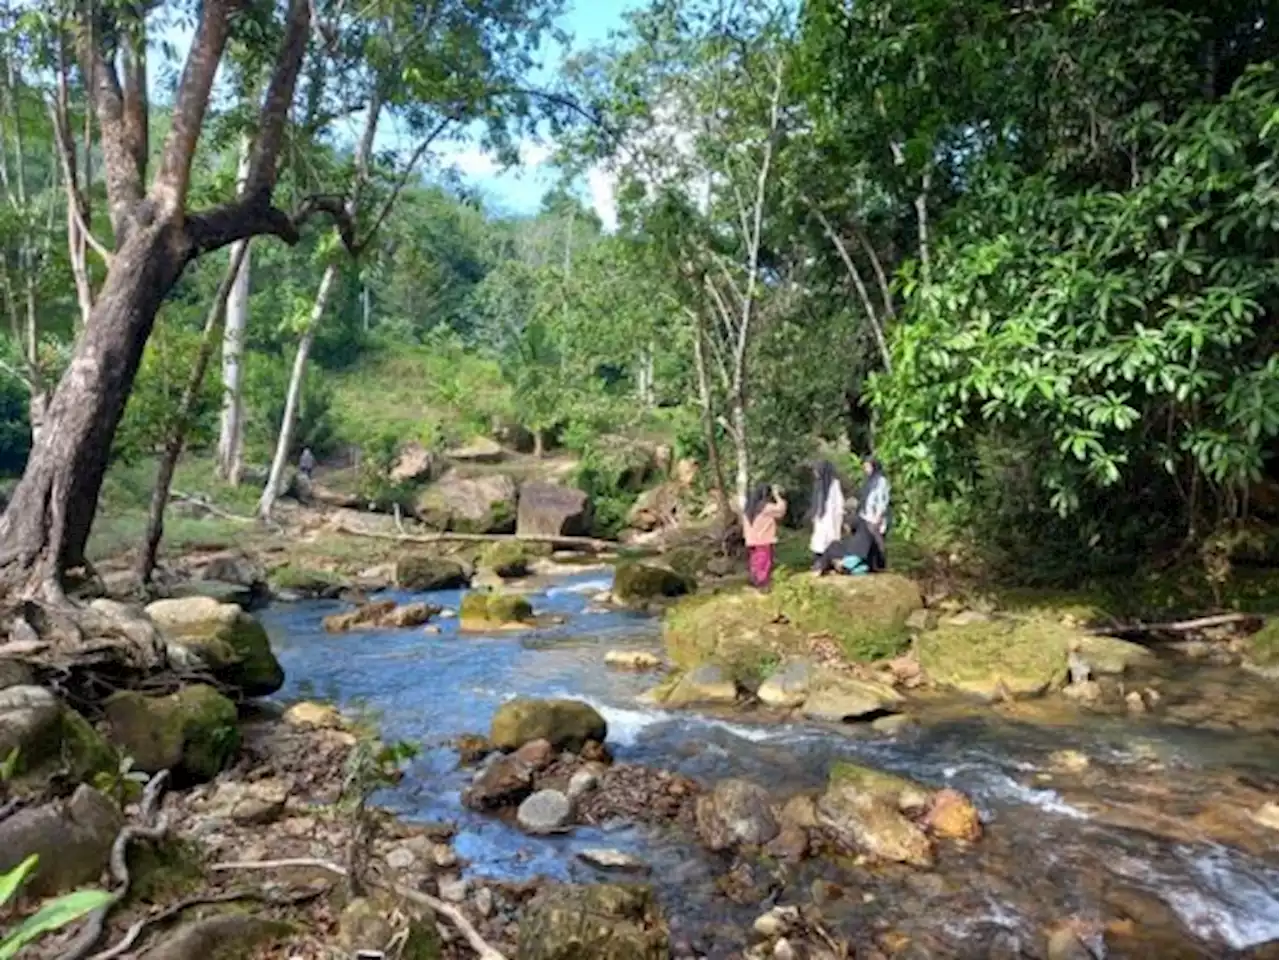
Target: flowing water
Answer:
pixel 1057 845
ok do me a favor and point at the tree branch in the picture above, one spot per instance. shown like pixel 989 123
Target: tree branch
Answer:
pixel 855 276
pixel 124 179
pixel 401 182
pixel 174 176
pixel 275 105
pixel 241 219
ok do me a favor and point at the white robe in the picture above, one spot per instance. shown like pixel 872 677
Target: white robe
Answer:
pixel 828 525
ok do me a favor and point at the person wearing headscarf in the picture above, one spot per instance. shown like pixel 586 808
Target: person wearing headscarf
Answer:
pixel 873 511
pixel 826 513
pixel 760 515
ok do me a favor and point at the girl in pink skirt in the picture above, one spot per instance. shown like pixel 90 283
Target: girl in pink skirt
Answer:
pixel 760 516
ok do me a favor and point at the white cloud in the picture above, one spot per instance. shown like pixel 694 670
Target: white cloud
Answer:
pixel 602 187
pixel 472 160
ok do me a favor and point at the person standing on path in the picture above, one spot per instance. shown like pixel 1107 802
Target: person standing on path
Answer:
pixel 760 515
pixel 306 463
pixel 826 512
pixel 873 511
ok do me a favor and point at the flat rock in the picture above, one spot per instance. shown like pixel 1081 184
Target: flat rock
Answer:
pixel 849 699
pixel 546 811
pixel 788 686
pixel 709 683
pixel 632 660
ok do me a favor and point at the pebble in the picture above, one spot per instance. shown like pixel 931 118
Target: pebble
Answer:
pixel 401 858
pixel 582 782
pixel 1133 699
pixel 442 856
pixel 544 812
pixel 776 922
pixel 453 889
pixel 482 900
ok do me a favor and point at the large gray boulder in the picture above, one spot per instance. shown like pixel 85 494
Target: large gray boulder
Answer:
pixel 72 838
pixel 230 642
pixel 485 504
pixel 549 510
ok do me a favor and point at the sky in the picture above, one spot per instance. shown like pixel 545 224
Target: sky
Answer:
pixel 519 190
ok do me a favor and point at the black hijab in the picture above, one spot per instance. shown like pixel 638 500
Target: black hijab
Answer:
pixel 824 474
pixel 876 473
pixel 756 500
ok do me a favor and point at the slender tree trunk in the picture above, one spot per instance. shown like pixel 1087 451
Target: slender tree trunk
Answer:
pixel 922 223
pixel 275 479
pixel 231 432
pixel 709 423
pixel 47 524
pixel 182 422
pixel 539 443
pixel 742 471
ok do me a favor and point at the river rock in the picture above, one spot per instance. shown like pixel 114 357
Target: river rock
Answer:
pixel 538 754
pixel 776 922
pixel 865 809
pixel 865 617
pixel 477 450
pixel 706 684
pixel 788 685
pixel 638 583
pixel 845 698
pixel 472 748
pixel 502 782
pixel 454 889
pixel 505 560
pixel 15 673
pixel 314 716
pixel 573 922
pixel 256 802
pixel 546 811
pixel 565 724
pixel 485 612
pixel 230 642
pixel 736 812
pixel 485 504
pixel 605 858
pixel 381 615
pixel 192 732
pixel 893 724
pixel 581 783
pixel 1000 659
pixel 549 510
pixel 227 934
pixel 953 816
pixel 372 922
pixel 31 723
pixel 72 838
pixel 423 572
pixel 414 464
pixel 1112 656
pixel 632 660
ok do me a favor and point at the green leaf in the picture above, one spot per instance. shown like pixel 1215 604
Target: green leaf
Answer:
pixel 53 915
pixel 13 879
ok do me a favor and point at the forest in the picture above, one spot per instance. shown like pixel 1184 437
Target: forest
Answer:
pixel 1026 254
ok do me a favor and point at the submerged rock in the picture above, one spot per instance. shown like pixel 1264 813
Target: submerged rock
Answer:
pixel 574 922
pixel 72 838
pixel 609 859
pixel 953 816
pixel 546 811
pixel 565 724
pixel 192 732
pixel 736 812
pixel 424 572
pixel 230 642
pixel 316 716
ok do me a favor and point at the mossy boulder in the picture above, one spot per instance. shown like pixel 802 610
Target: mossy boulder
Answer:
pixel 639 583
pixel 1111 655
pixel 998 658
pixel 192 732
pixel 48 735
pixel 305 582
pixel 749 632
pixel 72 837
pixel 424 572
pixel 565 724
pixel 231 643
pixel 507 558
pixel 482 611
pixel 163 870
pixel 483 504
pixel 574 922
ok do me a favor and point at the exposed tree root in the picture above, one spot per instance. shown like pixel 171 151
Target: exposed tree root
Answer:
pixel 477 942
pixel 150 827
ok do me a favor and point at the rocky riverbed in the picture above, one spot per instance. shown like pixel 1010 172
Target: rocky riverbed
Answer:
pixel 772 796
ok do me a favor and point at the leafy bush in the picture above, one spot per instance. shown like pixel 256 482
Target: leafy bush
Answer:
pixel 266 380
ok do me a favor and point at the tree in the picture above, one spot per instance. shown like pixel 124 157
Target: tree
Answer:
pixel 46 525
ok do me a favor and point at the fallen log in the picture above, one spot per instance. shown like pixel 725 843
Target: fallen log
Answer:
pixel 1151 631
pixel 591 544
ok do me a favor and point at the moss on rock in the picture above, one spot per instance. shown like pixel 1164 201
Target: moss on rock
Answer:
pixel 997 658
pixel 746 631
pixel 192 731
pixel 565 724
pixel 424 572
pixel 637 583
pixel 481 611
pixel 229 641
pixel 163 870
pixel 573 922
pixel 506 558
pixel 85 752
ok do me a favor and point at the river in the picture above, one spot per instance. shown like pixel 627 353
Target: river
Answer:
pixel 1057 845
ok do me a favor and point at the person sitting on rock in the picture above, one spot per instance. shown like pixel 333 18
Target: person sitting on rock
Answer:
pixel 760 515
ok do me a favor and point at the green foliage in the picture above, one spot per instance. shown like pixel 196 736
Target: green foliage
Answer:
pixel 53 914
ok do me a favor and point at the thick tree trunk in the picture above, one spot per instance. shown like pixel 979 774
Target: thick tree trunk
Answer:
pixel 47 524
pixel 182 422
pixel 284 441
pixel 231 433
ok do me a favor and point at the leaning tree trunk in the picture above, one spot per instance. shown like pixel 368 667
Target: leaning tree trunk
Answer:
pixel 182 420
pixel 294 394
pixel 46 526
